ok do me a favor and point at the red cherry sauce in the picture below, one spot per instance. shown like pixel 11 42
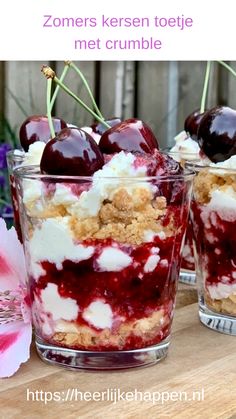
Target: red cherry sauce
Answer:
pixel 187 252
pixel 215 243
pixel 132 293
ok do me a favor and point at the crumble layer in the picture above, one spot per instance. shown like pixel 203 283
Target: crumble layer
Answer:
pixel 224 305
pixel 84 337
pixel 125 218
pixel 207 181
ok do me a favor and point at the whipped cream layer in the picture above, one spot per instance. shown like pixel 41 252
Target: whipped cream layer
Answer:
pixel 113 259
pixel 52 241
pixel 59 314
pixel 185 148
pixel 229 164
pixel 223 289
pixel 99 314
pixel 34 154
pixel 223 202
pixel 102 187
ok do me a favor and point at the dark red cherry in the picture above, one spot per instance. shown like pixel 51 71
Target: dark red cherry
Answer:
pixel 217 133
pixel 192 122
pixel 130 135
pixel 36 128
pixel 72 152
pixel 99 128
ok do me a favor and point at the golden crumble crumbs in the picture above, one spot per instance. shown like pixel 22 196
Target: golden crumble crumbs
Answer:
pixel 207 181
pixel 86 337
pixel 223 305
pixel 124 219
pixel 48 211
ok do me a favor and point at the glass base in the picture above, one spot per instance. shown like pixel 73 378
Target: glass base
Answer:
pixel 187 277
pixel 110 360
pixel 217 321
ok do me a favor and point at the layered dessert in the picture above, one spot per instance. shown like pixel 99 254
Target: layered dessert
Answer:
pixel 103 227
pixel 214 211
pixel 186 149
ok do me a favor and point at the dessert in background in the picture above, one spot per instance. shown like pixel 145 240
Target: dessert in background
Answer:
pixel 185 149
pixel 214 219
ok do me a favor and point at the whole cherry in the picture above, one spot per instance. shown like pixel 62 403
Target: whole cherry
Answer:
pixel 36 128
pixel 192 122
pixel 130 135
pixel 217 133
pixel 72 152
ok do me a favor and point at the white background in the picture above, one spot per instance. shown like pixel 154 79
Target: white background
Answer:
pixel 212 36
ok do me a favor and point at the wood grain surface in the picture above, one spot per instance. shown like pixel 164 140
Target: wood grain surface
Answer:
pixel 199 360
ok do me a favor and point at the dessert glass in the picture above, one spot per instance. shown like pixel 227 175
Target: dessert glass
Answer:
pixel 5 208
pixel 14 159
pixel 103 258
pixel 187 271
pixel 213 213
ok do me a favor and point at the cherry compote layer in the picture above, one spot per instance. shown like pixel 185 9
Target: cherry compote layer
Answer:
pixel 216 243
pixel 136 301
pixel 187 252
pixel 132 294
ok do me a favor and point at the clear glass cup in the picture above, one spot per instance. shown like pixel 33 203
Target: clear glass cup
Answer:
pixel 15 158
pixel 213 213
pixel 187 271
pixel 103 258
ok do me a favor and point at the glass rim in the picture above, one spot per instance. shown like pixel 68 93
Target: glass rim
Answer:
pixel 11 153
pixel 196 166
pixel 168 150
pixel 33 172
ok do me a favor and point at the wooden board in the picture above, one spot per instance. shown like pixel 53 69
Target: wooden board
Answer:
pixel 199 359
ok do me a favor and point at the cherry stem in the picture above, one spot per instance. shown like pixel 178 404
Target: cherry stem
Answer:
pixel 65 88
pixel 50 74
pixel 63 75
pixel 205 87
pixel 49 109
pixel 86 85
pixel 227 67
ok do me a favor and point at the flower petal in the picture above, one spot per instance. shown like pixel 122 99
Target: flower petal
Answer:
pixel 15 340
pixel 12 260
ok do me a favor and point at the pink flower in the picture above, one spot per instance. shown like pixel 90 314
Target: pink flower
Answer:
pixel 15 319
